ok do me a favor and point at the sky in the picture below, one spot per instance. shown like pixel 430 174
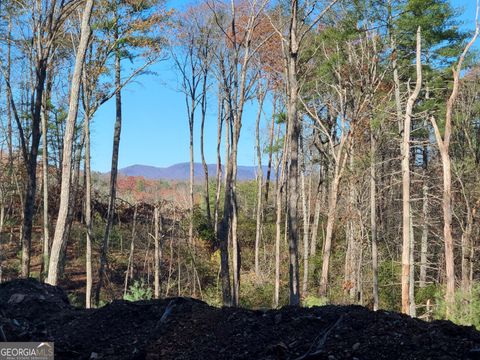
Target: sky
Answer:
pixel 155 125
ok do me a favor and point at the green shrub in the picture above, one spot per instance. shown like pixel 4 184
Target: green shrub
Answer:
pixel 75 300
pixel 312 300
pixel 423 295
pixel 202 228
pixel 255 295
pixel 466 309
pixel 138 291
pixel 212 295
pixel 389 281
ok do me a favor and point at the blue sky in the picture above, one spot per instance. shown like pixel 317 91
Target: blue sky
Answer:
pixel 155 127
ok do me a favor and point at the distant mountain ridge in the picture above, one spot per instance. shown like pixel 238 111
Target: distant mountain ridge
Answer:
pixel 181 171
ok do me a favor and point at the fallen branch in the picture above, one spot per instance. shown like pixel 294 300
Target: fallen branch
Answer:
pixel 320 341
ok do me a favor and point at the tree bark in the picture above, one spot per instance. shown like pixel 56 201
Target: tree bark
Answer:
pixel 373 219
pixel 316 221
pixel 270 150
pixel 88 213
pixel 60 236
pixel 467 251
pixel 46 232
pixel 31 168
pixel 306 229
pixel 259 215
pixel 202 150
pixel 129 272
pixel 280 181
pixel 332 212
pixel 157 252
pixel 46 24
pixel 191 121
pixel 218 183
pixel 114 165
pixel 444 146
pixel 406 207
pixel 293 138
pixel 9 96
pixel 424 241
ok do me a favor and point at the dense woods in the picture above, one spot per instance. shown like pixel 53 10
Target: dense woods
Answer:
pixel 367 144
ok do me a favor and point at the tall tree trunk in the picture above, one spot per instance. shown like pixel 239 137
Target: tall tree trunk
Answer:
pixel 467 260
pixel 319 201
pixel 293 138
pixel 332 212
pixel 236 258
pixel 259 217
pixel 157 252
pixel 9 97
pixel 202 150
pixel 218 183
pixel 373 219
pixel 235 98
pixel 278 235
pixel 424 240
pixel 44 48
pixel 352 257
pixel 223 233
pixel 129 272
pixel 444 145
pixel 270 149
pixel 46 234
pixel 31 169
pixel 306 228
pixel 192 171
pixel 406 207
pixel 411 289
pixel 88 213
pixel 114 166
pixel 2 212
pixel 316 221
pixel 72 209
pixel 60 236
pixel 280 181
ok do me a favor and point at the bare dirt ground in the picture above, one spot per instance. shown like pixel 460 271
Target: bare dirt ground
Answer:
pixel 183 328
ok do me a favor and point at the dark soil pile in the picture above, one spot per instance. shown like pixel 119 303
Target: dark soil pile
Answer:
pixel 181 328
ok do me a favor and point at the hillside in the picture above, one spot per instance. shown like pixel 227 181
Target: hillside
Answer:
pixel 181 172
pixel 184 328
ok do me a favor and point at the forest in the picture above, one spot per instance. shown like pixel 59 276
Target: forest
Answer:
pixel 366 116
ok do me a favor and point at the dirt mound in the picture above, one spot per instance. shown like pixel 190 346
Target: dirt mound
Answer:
pixel 181 328
pixel 330 332
pixel 31 310
pixel 120 330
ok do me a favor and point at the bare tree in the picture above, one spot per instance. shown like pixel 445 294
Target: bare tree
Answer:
pixel 373 218
pixel 129 24
pixel 291 42
pixel 234 74
pixel 406 207
pixel 46 22
pixel 258 232
pixel 60 229
pixel 443 143
pixel 158 252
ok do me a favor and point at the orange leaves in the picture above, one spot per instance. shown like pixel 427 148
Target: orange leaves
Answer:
pixel 270 56
pixel 134 187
